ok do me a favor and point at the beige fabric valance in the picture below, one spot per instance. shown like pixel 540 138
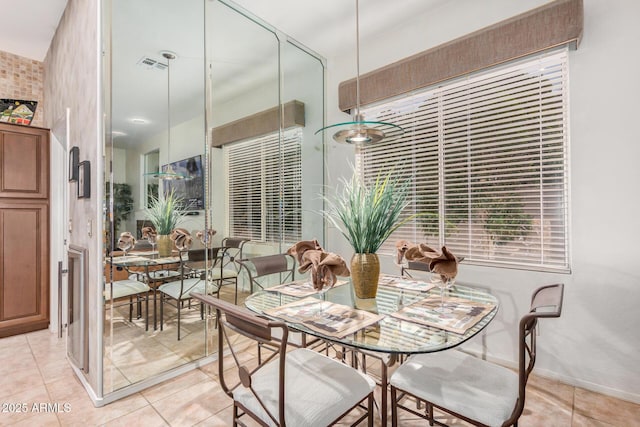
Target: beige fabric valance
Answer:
pixel 554 24
pixel 262 123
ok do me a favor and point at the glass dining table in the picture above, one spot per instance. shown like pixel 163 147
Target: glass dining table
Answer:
pixel 406 317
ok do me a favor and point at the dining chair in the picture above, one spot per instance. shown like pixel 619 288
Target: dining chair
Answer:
pixel 269 270
pixel 178 290
pixel 405 270
pixel 262 270
pixel 297 388
pixel 472 389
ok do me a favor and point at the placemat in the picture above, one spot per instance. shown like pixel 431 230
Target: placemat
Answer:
pixel 458 316
pixel 299 288
pixel 327 318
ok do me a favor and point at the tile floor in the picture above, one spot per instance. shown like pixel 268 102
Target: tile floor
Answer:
pixel 33 370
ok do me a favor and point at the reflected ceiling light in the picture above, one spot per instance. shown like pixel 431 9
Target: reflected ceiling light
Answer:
pixel 139 121
pixel 169 174
pixel 360 131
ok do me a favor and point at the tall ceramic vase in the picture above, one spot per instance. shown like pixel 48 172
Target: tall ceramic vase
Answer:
pixel 164 245
pixel 365 272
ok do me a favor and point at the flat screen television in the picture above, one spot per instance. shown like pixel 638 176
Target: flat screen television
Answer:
pixel 191 189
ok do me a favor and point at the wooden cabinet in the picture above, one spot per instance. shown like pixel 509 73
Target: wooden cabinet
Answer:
pixel 24 162
pixel 24 229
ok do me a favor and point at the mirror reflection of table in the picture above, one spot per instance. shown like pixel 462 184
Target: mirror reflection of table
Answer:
pixel 397 300
pixel 154 269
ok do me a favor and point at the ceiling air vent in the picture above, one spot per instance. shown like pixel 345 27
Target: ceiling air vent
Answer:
pixel 150 63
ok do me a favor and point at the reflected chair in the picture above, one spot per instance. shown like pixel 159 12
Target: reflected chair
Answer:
pixel 205 263
pixel 296 388
pixel 229 269
pixel 128 288
pixel 472 389
pixel 190 279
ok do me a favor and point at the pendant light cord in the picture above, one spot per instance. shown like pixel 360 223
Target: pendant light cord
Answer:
pixel 169 56
pixel 357 117
pixel 168 110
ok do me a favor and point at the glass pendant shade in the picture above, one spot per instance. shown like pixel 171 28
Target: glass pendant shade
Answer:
pixel 361 131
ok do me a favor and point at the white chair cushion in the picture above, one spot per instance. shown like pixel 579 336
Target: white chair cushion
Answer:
pixel 225 274
pixel 469 386
pixel 317 389
pixel 125 288
pixel 190 285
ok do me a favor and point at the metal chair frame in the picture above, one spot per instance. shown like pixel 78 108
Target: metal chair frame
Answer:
pixel 186 272
pixel 232 253
pixel 140 296
pixel 267 265
pixel 542 298
pixel 246 323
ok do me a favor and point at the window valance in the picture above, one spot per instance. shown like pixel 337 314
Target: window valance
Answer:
pixel 259 124
pixel 554 24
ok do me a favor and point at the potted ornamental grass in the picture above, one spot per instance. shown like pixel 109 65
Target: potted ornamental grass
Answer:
pixel 367 214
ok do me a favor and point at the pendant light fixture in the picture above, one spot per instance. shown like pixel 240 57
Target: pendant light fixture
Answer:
pixel 169 174
pixel 360 131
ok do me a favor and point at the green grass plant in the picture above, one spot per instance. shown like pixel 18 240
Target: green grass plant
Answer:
pixel 367 215
pixel 165 213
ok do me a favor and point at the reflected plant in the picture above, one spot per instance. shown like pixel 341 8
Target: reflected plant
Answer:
pixel 166 213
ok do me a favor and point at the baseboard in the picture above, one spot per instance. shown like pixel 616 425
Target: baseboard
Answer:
pixel 575 382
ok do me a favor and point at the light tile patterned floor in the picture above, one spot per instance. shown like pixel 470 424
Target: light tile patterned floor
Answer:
pixel 33 370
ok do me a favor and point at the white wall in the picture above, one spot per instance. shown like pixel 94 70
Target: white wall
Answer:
pixel 595 343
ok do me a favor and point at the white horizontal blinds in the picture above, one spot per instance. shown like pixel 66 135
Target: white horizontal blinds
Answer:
pixel 413 156
pixel 283 188
pixel 244 189
pixel 499 155
pixel 261 195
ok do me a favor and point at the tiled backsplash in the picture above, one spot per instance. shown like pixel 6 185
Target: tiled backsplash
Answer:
pixel 23 78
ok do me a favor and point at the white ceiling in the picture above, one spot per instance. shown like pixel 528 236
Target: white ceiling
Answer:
pixel 144 28
pixel 27 26
pixel 327 26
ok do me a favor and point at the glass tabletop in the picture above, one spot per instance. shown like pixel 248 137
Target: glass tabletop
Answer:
pixel 142 261
pixel 397 300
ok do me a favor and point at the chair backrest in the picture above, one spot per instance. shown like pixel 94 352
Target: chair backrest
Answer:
pixel 232 252
pixel 200 254
pixel 258 268
pixel 414 265
pixel 242 321
pixel 234 242
pixel 546 301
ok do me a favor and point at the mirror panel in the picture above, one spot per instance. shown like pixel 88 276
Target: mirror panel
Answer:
pixel 229 66
pixel 303 77
pixel 151 100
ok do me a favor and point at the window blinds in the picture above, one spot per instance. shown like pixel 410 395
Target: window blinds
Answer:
pixel 264 195
pixel 487 155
